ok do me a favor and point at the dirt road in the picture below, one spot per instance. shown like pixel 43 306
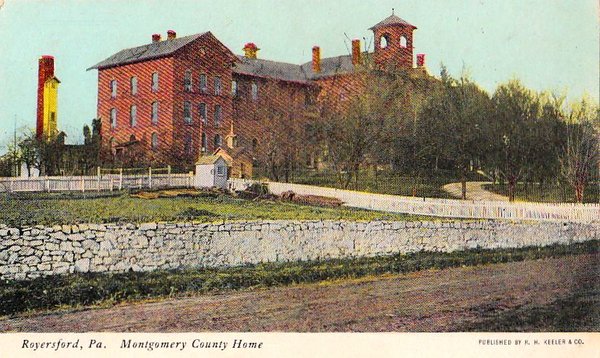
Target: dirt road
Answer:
pixel 475 191
pixel 423 301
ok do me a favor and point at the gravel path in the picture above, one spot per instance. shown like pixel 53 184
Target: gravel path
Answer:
pixel 422 301
pixel 475 191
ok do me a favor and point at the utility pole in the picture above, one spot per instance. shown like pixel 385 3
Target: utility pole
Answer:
pixel 15 164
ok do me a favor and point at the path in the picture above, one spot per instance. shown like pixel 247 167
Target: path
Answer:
pixel 443 300
pixel 475 191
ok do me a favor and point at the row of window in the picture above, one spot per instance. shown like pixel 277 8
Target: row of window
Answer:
pixel 217 141
pixel 133 85
pixel 187 114
pixel 187 85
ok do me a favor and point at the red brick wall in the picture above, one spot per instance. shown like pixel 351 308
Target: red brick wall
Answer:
pixel 280 105
pixel 394 55
pixel 338 91
pixel 143 100
pixel 204 56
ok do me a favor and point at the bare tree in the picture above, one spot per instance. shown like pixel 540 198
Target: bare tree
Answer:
pixel 580 156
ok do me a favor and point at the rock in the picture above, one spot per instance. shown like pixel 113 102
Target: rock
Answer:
pixel 148 226
pixel 31 260
pixel 82 265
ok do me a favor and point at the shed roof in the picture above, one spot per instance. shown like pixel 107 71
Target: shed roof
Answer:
pixel 210 159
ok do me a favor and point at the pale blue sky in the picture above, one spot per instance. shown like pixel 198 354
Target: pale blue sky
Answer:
pixel 548 44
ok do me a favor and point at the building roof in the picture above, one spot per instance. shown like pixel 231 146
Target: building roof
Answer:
pixel 146 52
pixel 270 69
pixel 295 73
pixel 209 159
pixel 392 20
pixel 244 66
pixel 330 66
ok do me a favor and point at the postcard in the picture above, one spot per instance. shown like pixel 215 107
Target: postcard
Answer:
pixel 299 178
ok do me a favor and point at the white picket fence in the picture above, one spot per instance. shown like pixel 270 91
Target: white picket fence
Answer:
pixel 106 182
pixel 440 207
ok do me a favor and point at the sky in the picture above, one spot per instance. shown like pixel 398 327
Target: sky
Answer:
pixel 547 44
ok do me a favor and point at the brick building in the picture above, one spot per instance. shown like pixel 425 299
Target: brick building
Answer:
pixel 179 98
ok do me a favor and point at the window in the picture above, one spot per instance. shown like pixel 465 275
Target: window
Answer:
pixel 132 138
pixel 384 41
pixel 254 91
pixel 308 98
pixel 133 84
pixel 254 144
pixel 187 144
pixel 234 88
pixel 403 42
pixel 217 115
pixel 113 88
pixel 154 113
pixel 203 83
pixel 187 81
pixel 220 170
pixel 154 142
pixel 187 112
pixel 113 118
pixel 217 86
pixel 203 148
pixel 133 116
pixel 202 112
pixel 218 141
pixel 155 82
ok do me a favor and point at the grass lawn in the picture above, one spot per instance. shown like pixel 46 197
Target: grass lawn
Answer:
pixel 76 290
pixel 72 208
pixel 547 193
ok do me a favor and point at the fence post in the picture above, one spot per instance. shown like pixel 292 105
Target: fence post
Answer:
pixel 83 184
pixel 47 184
pixel 120 178
pixel 169 169
pixel 10 185
pixel 150 177
pixel 111 184
pixel 98 171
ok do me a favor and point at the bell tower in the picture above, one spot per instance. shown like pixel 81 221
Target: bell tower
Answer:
pixel 393 43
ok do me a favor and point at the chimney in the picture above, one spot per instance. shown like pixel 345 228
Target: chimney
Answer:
pixel 45 71
pixel 250 50
pixel 156 38
pixel 171 35
pixel 356 52
pixel 420 60
pixel 316 59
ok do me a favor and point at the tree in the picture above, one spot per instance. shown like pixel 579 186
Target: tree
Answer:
pixel 515 114
pixel 28 148
pixel 453 125
pixel 580 157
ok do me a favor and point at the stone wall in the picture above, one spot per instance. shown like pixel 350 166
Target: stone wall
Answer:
pixel 30 252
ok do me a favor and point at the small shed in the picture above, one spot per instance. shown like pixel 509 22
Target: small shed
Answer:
pixel 211 171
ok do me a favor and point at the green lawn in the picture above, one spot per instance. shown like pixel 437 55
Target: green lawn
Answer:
pixel 54 208
pixel 547 193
